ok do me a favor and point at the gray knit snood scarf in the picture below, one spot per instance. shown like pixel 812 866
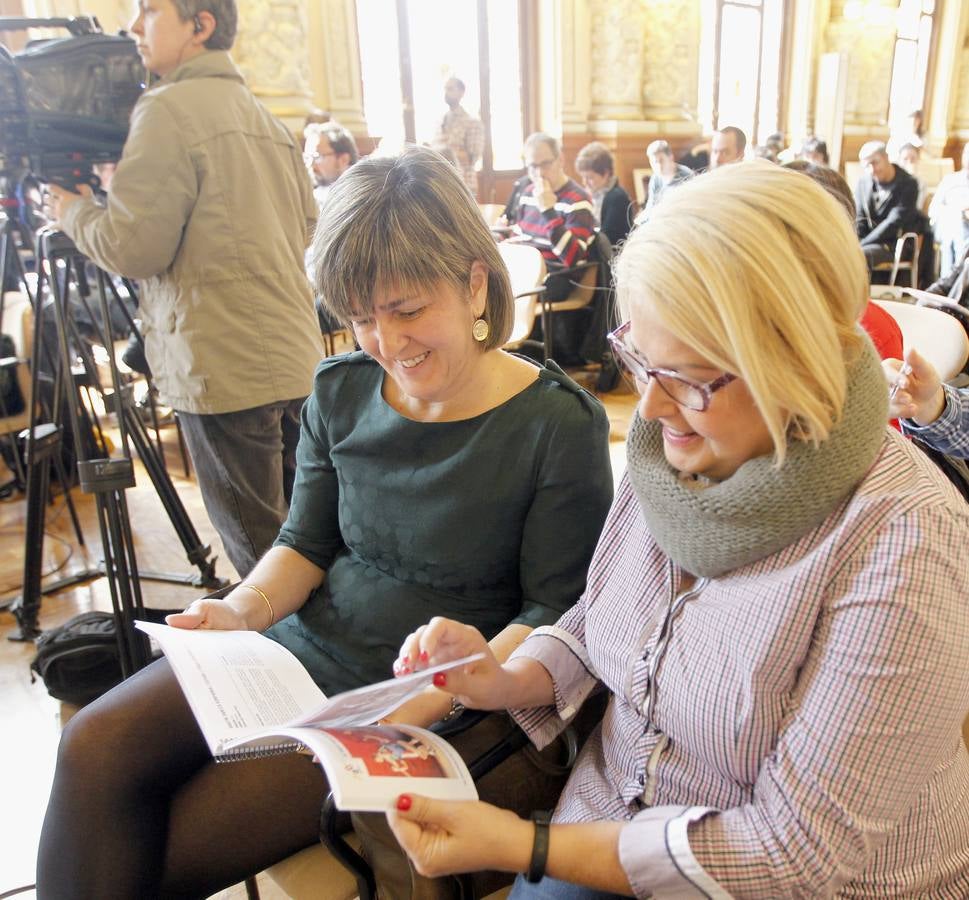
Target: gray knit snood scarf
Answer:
pixel 759 509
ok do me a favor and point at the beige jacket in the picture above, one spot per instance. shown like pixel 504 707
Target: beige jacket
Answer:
pixel 211 208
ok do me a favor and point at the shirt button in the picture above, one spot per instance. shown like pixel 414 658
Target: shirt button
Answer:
pixel 642 780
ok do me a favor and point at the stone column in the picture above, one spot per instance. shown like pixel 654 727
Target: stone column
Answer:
pixel 617 38
pixel 868 42
pixel 949 108
pixel 273 54
pixel 564 44
pixel 670 60
pixel 960 113
pixel 337 82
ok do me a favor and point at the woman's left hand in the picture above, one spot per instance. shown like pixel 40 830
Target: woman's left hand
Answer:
pixel 916 391
pixel 446 837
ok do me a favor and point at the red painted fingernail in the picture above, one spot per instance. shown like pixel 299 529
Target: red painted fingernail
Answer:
pixel 404 802
pixel 406 670
pixel 405 660
pixel 440 679
pixel 424 656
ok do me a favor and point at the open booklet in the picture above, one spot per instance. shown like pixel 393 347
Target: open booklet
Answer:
pixel 252 697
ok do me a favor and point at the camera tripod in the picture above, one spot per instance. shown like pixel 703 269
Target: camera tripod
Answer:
pixel 60 265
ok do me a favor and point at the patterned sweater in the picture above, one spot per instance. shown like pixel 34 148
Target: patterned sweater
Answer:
pixel 563 232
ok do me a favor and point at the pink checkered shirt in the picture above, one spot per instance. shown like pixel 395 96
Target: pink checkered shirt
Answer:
pixel 804 738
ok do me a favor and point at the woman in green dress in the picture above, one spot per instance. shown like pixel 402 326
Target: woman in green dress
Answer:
pixel 437 475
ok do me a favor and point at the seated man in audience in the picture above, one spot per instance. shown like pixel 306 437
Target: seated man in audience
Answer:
pixel 934 412
pixel 328 151
pixel 948 211
pixel 885 204
pixel 727 146
pixel 612 206
pixel 666 173
pixel 554 213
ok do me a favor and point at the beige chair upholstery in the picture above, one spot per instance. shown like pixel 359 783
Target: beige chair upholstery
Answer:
pixel 526 267
pixel 937 336
pixel 315 874
pixel 18 322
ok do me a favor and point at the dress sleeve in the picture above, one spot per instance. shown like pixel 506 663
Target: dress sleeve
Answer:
pixel 312 527
pixel 572 495
pixel 152 196
pixel 950 432
pixel 875 715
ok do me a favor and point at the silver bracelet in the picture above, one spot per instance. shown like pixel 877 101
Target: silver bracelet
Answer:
pixel 455 710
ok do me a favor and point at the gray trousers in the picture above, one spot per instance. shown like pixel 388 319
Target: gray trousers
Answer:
pixel 245 463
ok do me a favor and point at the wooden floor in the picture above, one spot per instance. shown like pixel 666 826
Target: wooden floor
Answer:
pixel 29 718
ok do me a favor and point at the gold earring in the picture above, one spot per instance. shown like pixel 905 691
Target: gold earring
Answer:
pixel 480 330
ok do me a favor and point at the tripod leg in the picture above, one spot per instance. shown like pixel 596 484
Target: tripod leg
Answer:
pixel 27 607
pixel 196 551
pixel 62 478
pixel 181 444
pixel 153 406
pixel 122 574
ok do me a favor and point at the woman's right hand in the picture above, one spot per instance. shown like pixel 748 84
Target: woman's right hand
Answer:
pixel 216 615
pixel 482 684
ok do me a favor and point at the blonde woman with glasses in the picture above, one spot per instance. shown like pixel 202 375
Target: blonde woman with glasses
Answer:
pixel 777 605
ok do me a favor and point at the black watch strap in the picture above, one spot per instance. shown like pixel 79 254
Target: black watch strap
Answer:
pixel 536 868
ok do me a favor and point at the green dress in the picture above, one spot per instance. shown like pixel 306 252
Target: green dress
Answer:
pixel 490 520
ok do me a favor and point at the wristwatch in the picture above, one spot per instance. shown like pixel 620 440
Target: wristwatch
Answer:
pixel 536 867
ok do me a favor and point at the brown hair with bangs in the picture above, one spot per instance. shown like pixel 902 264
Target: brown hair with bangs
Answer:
pixel 407 222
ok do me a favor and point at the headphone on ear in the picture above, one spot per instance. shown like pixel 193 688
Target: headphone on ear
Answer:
pixel 198 24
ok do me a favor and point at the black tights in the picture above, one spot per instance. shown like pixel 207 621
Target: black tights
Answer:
pixel 139 808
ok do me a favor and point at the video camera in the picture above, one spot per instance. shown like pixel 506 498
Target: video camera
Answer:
pixel 65 103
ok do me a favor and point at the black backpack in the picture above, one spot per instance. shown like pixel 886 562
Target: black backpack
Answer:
pixel 79 660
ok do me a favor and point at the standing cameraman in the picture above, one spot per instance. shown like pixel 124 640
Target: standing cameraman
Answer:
pixel 211 209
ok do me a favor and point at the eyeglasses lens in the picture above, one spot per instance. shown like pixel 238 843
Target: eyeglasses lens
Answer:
pixel 680 391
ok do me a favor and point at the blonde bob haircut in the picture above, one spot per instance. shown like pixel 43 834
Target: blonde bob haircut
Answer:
pixel 408 223
pixel 757 268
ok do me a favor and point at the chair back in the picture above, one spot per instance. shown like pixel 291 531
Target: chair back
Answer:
pixel 18 322
pixel 938 337
pixel 932 170
pixel 641 184
pixel 491 212
pixel 526 267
